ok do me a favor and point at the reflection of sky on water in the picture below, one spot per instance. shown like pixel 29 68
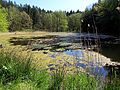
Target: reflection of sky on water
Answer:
pixel 93 70
pixel 77 53
pixel 98 71
pixel 80 65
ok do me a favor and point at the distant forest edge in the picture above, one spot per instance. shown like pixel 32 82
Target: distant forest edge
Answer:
pixel 103 16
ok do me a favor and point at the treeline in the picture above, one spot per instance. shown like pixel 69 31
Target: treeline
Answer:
pixel 25 17
pixel 3 19
pixel 103 17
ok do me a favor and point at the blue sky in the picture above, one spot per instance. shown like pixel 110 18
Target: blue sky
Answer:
pixel 58 4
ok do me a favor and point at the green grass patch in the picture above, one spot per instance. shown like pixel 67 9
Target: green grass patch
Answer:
pixel 17 72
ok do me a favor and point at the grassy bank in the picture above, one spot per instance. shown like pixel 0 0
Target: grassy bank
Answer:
pixel 17 72
pixel 30 70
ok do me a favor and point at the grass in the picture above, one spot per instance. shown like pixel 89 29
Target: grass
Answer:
pixel 12 67
pixel 17 72
pixel 4 37
pixel 44 59
pixel 23 70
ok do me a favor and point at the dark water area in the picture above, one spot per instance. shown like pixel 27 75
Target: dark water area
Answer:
pixel 107 72
pixel 111 51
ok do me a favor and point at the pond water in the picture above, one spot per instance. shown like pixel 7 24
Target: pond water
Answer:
pixel 68 42
pixel 71 45
pixel 92 68
pixel 111 51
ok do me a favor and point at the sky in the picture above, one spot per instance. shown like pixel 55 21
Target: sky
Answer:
pixel 64 5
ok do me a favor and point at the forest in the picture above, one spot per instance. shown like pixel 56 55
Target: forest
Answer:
pixel 104 16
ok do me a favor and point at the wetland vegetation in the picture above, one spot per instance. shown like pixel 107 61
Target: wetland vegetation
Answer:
pixel 64 68
pixel 60 50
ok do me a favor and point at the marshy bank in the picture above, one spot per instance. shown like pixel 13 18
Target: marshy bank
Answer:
pixel 54 49
pixel 17 71
pixel 109 45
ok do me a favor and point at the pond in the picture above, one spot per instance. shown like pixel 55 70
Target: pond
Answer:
pixel 111 51
pixel 93 68
pixel 74 41
pixel 72 44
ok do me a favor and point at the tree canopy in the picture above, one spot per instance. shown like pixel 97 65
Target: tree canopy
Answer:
pixel 104 15
pixel 3 20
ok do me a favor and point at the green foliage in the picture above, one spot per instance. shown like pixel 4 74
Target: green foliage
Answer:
pixel 113 85
pixel 80 81
pixel 103 15
pixel 47 21
pixel 14 19
pixel 18 20
pixel 56 21
pixel 61 21
pixel 74 22
pixel 109 4
pixel 16 72
pixel 38 24
pixel 27 17
pixel 26 21
pixel 57 78
pixel 3 20
pixel 12 67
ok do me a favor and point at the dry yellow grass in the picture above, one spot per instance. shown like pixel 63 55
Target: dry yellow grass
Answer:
pixel 4 37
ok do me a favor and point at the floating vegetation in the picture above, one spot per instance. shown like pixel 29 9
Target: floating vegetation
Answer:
pixel 85 59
